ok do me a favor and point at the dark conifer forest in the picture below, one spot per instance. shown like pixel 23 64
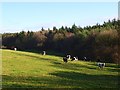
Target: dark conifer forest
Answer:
pixel 94 42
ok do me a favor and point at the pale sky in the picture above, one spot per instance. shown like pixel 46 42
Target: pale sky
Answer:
pixel 18 16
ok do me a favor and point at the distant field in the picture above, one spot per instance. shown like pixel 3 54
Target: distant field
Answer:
pixel 25 69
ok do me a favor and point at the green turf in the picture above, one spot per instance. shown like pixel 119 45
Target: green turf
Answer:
pixel 25 69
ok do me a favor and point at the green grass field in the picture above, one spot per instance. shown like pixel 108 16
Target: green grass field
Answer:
pixel 24 69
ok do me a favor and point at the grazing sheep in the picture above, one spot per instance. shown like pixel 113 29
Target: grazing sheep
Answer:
pixel 65 59
pixel 101 65
pixel 44 53
pixel 74 58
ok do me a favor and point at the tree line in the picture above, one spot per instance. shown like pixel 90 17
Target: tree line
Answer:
pixel 94 42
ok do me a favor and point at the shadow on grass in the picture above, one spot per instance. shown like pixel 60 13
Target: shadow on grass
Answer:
pixel 114 70
pixel 71 66
pixel 53 53
pixel 44 58
pixel 108 66
pixel 61 79
pixel 89 81
pixel 112 65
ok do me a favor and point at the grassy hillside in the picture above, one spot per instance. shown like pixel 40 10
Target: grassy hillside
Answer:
pixel 25 69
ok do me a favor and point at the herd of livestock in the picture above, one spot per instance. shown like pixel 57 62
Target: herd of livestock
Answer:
pixel 71 58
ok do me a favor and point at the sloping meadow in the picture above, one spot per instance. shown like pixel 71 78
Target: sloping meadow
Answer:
pixel 34 70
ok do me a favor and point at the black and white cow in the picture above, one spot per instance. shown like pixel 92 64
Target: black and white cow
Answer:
pixel 85 58
pixel 101 65
pixel 74 58
pixel 68 57
pixel 44 53
pixel 65 59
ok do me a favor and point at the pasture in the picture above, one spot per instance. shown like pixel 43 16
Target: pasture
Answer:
pixel 33 70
